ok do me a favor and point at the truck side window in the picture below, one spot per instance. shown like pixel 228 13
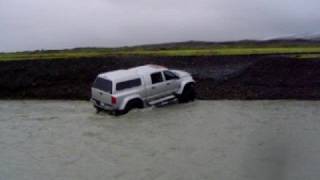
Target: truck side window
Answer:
pixel 170 75
pixel 156 78
pixel 128 84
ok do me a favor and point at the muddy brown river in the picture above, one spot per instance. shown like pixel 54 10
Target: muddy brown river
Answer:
pixel 225 140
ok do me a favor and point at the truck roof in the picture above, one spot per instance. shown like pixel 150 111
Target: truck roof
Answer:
pixel 127 74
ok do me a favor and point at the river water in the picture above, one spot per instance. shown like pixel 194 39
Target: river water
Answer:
pixel 232 140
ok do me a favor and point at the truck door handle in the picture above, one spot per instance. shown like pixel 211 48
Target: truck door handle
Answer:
pixel 153 87
pixel 168 83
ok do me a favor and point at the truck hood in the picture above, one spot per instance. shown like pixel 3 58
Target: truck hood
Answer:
pixel 181 74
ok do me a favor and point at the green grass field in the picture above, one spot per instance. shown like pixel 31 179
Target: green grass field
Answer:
pixel 302 51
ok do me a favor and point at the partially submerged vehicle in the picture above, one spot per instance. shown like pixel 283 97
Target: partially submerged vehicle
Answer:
pixel 122 90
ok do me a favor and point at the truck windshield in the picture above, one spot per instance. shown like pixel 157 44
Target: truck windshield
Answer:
pixel 103 84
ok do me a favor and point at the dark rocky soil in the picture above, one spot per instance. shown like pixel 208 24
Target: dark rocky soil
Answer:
pixel 233 77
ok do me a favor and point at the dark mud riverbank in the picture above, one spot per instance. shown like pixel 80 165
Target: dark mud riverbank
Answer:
pixel 223 77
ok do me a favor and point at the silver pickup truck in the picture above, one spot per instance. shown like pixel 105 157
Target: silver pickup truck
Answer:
pixel 120 91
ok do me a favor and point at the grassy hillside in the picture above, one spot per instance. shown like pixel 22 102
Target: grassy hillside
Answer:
pixel 304 49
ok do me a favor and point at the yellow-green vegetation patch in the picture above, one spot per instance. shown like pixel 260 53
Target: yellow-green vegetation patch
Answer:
pixel 304 51
pixel 222 51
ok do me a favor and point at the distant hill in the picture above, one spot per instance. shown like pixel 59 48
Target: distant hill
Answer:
pixel 303 36
pixel 281 42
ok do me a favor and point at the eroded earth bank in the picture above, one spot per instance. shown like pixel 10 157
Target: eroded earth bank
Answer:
pixel 222 77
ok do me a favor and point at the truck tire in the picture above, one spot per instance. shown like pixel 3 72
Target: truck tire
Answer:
pixel 188 94
pixel 132 104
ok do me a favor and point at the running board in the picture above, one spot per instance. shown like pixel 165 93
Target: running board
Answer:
pixel 167 98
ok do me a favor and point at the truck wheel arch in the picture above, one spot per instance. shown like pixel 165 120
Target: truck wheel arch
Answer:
pixel 188 93
pixel 135 100
pixel 183 85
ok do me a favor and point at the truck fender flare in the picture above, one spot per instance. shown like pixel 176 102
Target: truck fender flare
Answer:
pixel 127 99
pixel 183 84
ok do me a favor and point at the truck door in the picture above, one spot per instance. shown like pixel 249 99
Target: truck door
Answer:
pixel 156 88
pixel 171 82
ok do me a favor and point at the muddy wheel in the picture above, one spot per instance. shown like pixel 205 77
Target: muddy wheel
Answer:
pixel 188 94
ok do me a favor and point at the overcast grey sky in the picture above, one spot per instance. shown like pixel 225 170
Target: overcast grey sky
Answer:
pixel 57 24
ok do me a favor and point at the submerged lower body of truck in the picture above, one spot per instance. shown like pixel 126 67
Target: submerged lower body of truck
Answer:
pixel 101 105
